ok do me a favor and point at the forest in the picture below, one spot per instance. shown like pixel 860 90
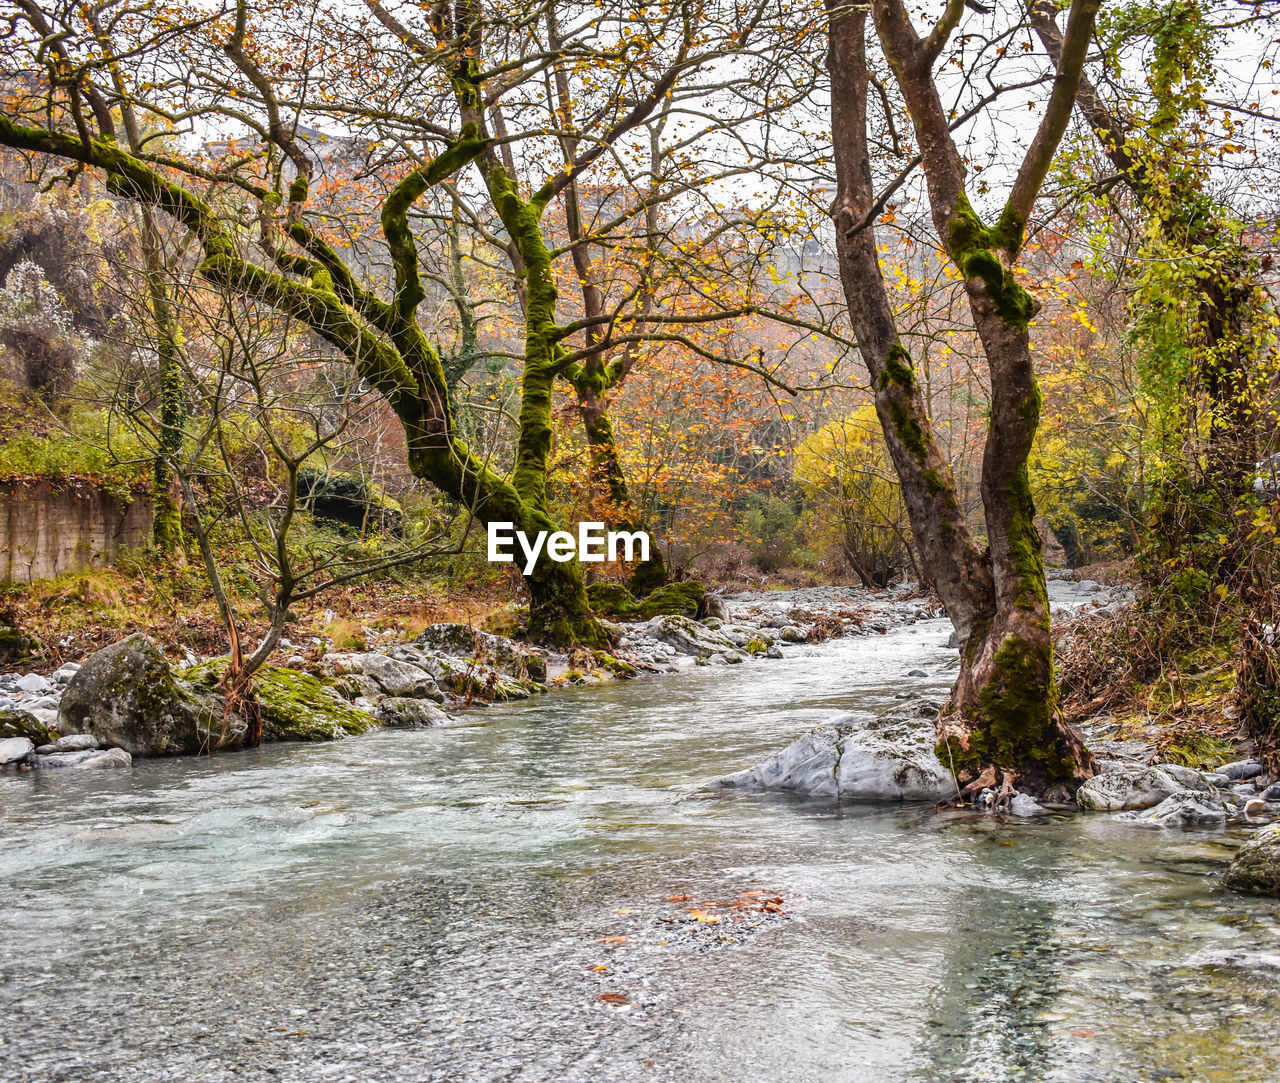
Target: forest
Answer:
pixel 914 372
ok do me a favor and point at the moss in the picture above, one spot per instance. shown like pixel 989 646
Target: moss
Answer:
pixel 16 645
pixel 21 724
pixel 1194 749
pixel 611 600
pixel 755 646
pixel 675 599
pixel 296 706
pixel 648 576
pixel 973 246
pixel 614 665
pixel 897 383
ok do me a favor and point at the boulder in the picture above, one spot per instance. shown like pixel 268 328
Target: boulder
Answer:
pixel 789 633
pixel 400 712
pixel 1187 777
pixel 127 697
pixel 714 607
pixel 856 758
pixel 15 750
pixel 15 723
pixel 688 636
pixel 1256 867
pixel 33 683
pixel 1186 808
pixel 395 676
pixel 504 655
pixel 1127 788
pixel 467 678
pixel 1025 805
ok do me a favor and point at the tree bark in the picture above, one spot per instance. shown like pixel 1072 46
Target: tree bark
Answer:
pixel 1001 726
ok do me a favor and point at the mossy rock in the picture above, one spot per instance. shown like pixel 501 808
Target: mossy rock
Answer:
pixel 673 600
pixel 16 645
pixel 15 723
pixel 295 706
pixel 755 646
pixel 1256 867
pixel 614 665
pixel 612 600
pixel 649 575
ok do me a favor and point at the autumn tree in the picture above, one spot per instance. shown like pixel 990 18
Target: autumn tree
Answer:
pixel 1001 727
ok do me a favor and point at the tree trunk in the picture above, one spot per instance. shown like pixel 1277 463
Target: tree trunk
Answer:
pixel 1001 726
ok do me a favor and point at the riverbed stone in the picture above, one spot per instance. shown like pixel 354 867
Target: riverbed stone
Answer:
pixel 72 742
pixel 394 676
pixel 1128 788
pixel 401 712
pixel 127 696
pixel 1025 805
pixel 33 684
pixel 856 758
pixel 1187 777
pixel 16 723
pixel 86 759
pixel 688 636
pixel 1240 770
pixel 1256 866
pixel 1186 808
pixel 502 654
pixel 15 750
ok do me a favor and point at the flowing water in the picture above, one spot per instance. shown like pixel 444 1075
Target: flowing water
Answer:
pixel 444 904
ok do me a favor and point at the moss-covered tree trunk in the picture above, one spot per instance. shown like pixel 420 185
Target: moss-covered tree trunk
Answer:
pixel 1001 727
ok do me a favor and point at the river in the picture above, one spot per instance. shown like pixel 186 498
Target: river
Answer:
pixel 452 903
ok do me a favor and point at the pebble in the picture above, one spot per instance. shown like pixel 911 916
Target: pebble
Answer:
pixel 33 682
pixel 15 749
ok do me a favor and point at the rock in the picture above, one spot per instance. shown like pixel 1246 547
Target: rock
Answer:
pixel 774 651
pixel 916 673
pixel 395 676
pixel 716 659
pixel 73 742
pixel 467 678
pixel 1187 777
pixel 1272 792
pixel 735 658
pixel 1256 867
pixel 295 706
pixel 857 758
pixel 1215 779
pixel 1128 788
pixel 688 636
pixel 1186 808
pixel 89 758
pixel 714 607
pixel 1236 957
pixel 461 640
pixel 127 696
pixel 400 712
pixel 1025 805
pixel 791 634
pixel 14 750
pixel 1239 770
pixel 15 723
pixel 33 683
pixel 65 673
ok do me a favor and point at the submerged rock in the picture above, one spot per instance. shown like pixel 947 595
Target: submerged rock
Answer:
pixel 1187 808
pixel 1128 788
pixel 858 758
pixel 1025 805
pixel 127 696
pixel 1256 867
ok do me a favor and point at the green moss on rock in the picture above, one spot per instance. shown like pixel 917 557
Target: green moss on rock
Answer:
pixel 15 723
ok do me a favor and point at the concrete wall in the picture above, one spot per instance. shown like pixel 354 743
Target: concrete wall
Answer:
pixel 45 531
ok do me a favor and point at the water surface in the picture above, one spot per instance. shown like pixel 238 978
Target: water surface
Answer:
pixel 444 904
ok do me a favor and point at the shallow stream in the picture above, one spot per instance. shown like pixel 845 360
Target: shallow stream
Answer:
pixel 444 904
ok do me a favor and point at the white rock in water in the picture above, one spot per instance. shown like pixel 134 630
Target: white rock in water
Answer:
pixel 1188 777
pixel 32 682
pixel 857 759
pixel 394 676
pixel 72 742
pixel 1131 788
pixel 1025 805
pixel 1183 809
pixel 107 757
pixel 14 749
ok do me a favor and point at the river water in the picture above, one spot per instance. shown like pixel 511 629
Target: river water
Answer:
pixel 444 904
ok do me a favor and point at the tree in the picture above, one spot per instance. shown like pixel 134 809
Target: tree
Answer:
pixel 1001 727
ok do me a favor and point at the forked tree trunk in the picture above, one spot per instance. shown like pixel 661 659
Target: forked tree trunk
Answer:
pixel 1001 727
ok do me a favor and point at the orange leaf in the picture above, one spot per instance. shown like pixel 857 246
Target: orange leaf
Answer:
pixel 614 998
pixel 614 939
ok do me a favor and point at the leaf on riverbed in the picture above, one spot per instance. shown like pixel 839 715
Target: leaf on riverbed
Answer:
pixel 678 898
pixel 703 916
pixel 624 910
pixel 614 998
pixel 614 939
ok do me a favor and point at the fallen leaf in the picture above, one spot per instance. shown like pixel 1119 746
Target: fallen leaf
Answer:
pixel 602 966
pixel 624 910
pixel 703 916
pixel 678 898
pixel 614 998
pixel 614 939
